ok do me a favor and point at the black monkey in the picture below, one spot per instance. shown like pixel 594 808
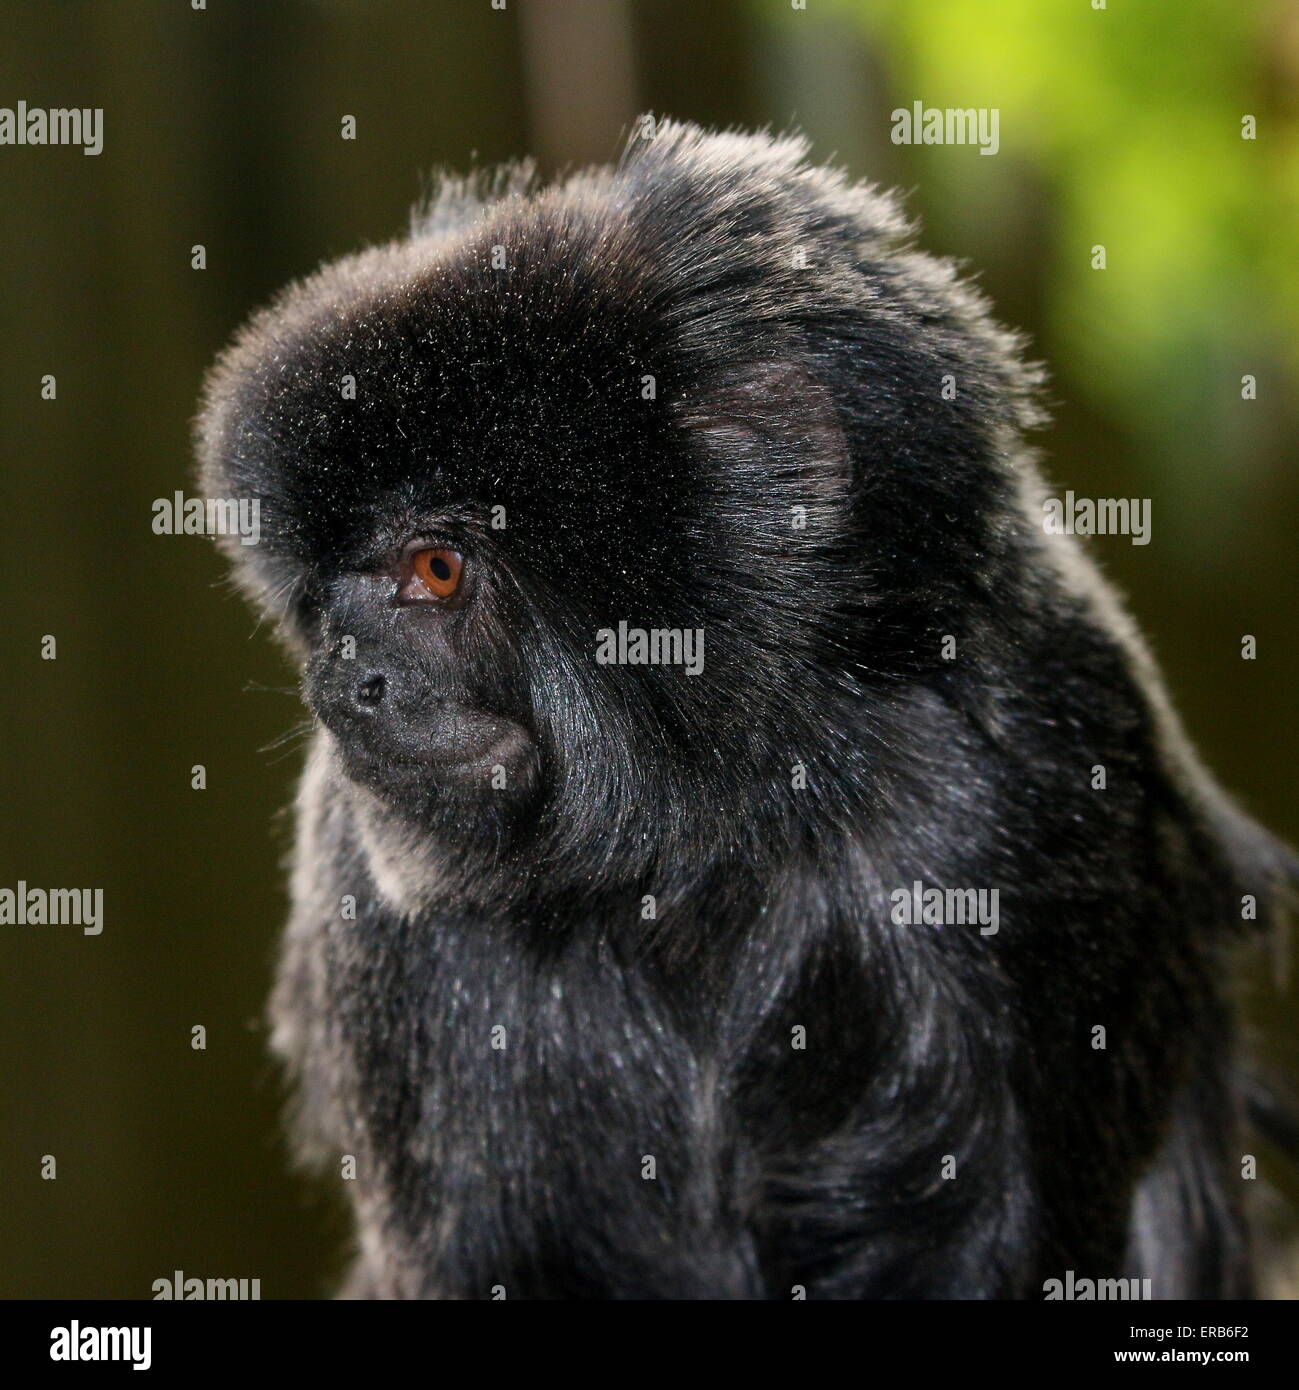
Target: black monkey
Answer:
pixel 672 633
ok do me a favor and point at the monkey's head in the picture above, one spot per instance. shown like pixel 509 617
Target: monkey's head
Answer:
pixel 591 513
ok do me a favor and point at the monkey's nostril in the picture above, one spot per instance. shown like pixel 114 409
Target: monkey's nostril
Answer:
pixel 371 691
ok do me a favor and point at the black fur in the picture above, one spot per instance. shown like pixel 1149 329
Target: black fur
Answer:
pixel 798 349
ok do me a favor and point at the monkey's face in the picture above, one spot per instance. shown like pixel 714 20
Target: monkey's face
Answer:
pixel 571 550
pixel 548 580
pixel 412 672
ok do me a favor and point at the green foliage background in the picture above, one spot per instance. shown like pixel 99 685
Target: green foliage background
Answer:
pixel 1129 123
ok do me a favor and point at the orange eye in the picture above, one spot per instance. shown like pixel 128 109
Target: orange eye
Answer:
pixel 439 571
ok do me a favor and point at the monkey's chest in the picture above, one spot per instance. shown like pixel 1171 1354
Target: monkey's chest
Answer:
pixel 534 1126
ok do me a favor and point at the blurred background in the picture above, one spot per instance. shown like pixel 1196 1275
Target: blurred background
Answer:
pixel 1118 126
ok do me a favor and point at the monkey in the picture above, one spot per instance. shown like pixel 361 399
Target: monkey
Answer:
pixel 602 971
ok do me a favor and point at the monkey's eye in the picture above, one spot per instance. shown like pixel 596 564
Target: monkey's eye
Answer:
pixel 431 574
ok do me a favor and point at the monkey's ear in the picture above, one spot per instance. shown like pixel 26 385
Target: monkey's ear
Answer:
pixel 775 418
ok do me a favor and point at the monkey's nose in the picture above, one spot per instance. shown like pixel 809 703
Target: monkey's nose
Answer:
pixel 371 691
